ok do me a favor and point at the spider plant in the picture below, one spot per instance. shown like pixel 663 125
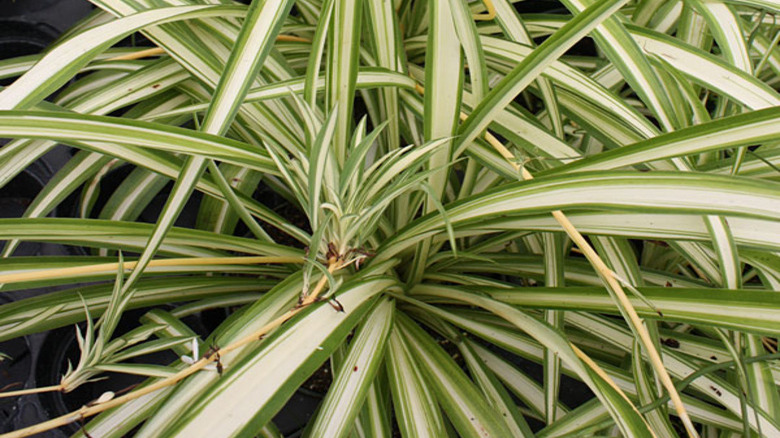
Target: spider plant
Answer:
pixel 472 188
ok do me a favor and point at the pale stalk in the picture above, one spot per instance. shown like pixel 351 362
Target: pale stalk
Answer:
pixel 490 12
pixel 28 391
pixel 154 51
pixel 292 38
pixel 102 268
pixel 88 411
pixel 157 51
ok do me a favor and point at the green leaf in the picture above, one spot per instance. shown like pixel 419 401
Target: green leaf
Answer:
pixel 346 395
pixel 747 310
pixel 77 128
pixel 464 405
pixel 59 309
pixel 652 192
pixel 622 411
pixel 321 330
pixel 343 49
pixel 414 401
pixel 59 65
pixel 746 129
pixel 529 68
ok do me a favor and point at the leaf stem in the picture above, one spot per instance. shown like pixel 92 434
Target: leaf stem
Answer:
pixel 154 51
pixel 157 51
pixel 27 391
pixel 44 274
pixel 489 14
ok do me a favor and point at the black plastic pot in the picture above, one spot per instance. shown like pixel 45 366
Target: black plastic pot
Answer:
pixel 55 15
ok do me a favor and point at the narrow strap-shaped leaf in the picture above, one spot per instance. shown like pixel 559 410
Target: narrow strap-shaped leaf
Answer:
pixel 146 370
pixel 694 193
pixel 343 49
pixel 58 66
pixel 746 232
pixel 217 215
pixel 529 68
pixel 762 387
pixel 368 77
pixel 726 252
pixel 494 391
pixel 553 277
pixel 634 67
pixel 680 366
pixel 118 422
pixel 416 410
pixel 65 127
pixel 375 418
pixel 725 26
pixel 497 331
pixel 740 130
pixel 622 411
pixel 386 44
pixel 320 159
pixel 150 292
pixel 262 24
pixel 515 30
pixel 111 234
pixel 443 84
pixel 648 392
pixel 71 176
pixel 143 83
pixel 706 69
pixel 346 395
pixel 464 405
pixel 443 79
pixel 269 306
pixel 503 54
pixel 256 385
pixel 747 310
pixel 523 386
pixel 137 87
pixel 235 204
pixel 468 35
pixel 315 57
